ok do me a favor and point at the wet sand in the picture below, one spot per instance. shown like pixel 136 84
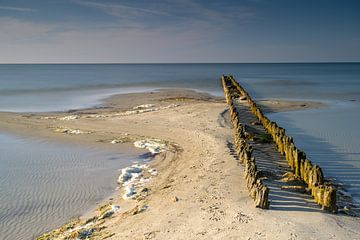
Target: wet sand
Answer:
pixel 199 190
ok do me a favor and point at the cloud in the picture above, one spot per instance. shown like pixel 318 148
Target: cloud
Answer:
pixel 28 41
pixel 181 31
pixel 120 10
pixel 18 9
pixel 218 12
pixel 174 12
pixel 15 30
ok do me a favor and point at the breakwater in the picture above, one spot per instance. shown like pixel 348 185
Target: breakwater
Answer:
pixel 323 192
pixel 258 191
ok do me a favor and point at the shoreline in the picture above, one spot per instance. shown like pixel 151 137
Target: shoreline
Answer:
pixel 106 100
pixel 185 105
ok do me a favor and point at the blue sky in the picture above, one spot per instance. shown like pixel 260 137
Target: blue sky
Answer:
pixel 179 31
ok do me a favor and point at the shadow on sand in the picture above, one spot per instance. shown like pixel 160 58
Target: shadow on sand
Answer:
pixel 274 165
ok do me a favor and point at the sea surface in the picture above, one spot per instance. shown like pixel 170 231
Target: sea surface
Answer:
pixel 38 177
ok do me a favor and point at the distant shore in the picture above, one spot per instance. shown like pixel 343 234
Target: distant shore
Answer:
pixel 193 189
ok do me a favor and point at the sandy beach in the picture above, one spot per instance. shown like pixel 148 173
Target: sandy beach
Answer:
pixel 194 188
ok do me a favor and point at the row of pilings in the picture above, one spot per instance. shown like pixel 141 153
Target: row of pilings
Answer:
pixel 258 191
pixel 324 193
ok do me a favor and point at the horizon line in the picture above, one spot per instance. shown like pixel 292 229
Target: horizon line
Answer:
pixel 149 63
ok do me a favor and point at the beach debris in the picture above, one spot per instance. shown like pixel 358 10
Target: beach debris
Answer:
pixel 137 209
pixel 149 235
pixel 65 118
pixel 144 190
pixel 121 139
pixel 125 138
pixel 175 199
pixel 66 228
pixel 153 145
pixel 71 131
pixel 114 209
pixel 173 105
pixel 96 116
pixel 144 106
pixel 86 233
pixel 78 229
pixel 47 118
pixel 153 171
pixel 137 111
pixel 70 117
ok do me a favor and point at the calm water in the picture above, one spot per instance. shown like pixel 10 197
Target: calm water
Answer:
pixel 44 184
pixel 62 87
pixel 330 136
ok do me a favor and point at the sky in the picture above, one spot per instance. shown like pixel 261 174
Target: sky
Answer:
pixel 173 31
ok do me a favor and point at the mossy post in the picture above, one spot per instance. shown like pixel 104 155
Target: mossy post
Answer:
pixel 324 193
pixel 258 191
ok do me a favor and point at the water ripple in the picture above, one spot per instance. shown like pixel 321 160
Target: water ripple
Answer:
pixel 43 185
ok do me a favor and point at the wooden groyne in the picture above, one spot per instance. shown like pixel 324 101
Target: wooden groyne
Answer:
pixel 257 189
pixel 323 192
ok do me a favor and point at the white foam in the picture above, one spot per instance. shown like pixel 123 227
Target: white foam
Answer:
pixel 115 208
pixel 153 145
pixel 144 106
pixel 130 192
pixel 71 131
pixel 67 118
pixel 129 174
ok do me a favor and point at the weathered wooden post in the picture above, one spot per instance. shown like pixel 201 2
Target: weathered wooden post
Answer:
pixel 324 194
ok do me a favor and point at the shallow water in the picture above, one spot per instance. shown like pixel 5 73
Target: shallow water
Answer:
pixel 46 87
pixel 329 136
pixel 49 87
pixel 44 184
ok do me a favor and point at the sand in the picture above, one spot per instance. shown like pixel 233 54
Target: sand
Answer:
pixel 198 191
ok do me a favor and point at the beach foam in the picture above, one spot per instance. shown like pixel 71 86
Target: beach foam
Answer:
pixel 133 180
pixel 71 131
pixel 153 145
pixel 129 174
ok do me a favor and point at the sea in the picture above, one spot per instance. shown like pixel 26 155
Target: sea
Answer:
pixel 43 183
